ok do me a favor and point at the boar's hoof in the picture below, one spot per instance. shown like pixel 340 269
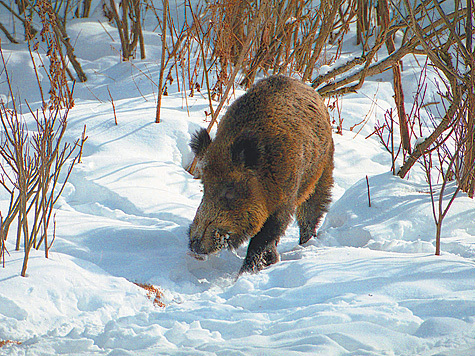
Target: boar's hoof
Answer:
pixel 305 236
pixel 260 260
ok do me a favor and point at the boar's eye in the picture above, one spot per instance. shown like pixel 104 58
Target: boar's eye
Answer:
pixel 228 195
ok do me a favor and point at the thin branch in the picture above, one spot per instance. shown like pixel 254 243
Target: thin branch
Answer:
pixel 162 60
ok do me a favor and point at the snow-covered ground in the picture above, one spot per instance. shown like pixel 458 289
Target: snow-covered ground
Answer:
pixel 368 285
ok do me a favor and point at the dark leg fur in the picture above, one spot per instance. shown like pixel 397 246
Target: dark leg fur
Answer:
pixel 262 250
pixel 310 212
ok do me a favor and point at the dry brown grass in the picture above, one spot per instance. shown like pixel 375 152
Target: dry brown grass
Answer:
pixel 9 342
pixel 153 293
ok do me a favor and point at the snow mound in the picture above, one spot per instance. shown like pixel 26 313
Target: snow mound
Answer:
pixel 400 218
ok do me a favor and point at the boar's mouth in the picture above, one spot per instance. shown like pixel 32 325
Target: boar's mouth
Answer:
pixel 220 240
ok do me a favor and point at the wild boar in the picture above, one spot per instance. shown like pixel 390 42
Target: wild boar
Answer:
pixel 272 158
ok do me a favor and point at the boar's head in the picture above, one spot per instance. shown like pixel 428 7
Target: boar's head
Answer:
pixel 233 208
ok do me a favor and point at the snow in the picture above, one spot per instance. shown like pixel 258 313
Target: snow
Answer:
pixel 368 285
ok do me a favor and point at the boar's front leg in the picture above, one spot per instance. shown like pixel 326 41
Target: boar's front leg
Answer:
pixel 262 250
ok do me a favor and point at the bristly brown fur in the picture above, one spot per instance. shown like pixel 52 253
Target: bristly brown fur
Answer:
pixel 272 158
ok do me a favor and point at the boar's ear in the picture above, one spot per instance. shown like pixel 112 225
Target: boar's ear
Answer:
pixel 245 150
pixel 200 142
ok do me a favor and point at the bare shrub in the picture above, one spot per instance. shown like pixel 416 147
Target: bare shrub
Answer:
pixel 32 159
pixel 31 166
pixel 444 144
pixel 451 53
pixel 440 211
pixel 130 34
pixel 292 34
pixel 52 22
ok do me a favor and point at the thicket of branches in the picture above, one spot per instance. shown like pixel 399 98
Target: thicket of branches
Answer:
pixel 32 148
pixel 219 41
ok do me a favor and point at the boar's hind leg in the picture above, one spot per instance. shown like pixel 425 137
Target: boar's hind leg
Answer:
pixel 262 250
pixel 310 211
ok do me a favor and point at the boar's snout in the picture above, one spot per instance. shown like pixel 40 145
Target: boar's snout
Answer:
pixel 196 246
pixel 196 238
pixel 207 241
pixel 206 236
pixel 210 242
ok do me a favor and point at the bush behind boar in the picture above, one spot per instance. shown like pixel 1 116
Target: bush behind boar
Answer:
pixel 272 157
